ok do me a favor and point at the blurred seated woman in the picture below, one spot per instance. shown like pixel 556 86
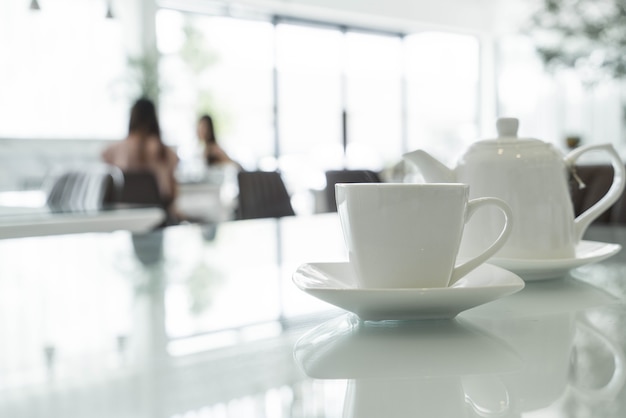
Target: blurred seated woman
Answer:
pixel 143 150
pixel 212 152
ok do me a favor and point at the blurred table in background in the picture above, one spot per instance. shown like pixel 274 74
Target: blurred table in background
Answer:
pixel 25 214
pixel 206 202
pixel 208 195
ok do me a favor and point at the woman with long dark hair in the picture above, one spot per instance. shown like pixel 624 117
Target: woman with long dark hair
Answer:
pixel 213 153
pixel 143 150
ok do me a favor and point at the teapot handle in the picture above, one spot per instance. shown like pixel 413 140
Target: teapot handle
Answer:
pixel 583 220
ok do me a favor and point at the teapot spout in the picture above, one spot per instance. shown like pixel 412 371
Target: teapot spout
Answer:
pixel 432 169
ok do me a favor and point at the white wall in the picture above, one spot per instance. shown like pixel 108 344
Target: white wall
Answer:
pixel 24 163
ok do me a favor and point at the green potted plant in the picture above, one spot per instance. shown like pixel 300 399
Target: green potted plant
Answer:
pixel 588 36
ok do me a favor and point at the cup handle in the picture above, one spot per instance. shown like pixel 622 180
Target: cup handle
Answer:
pixel 472 206
pixel 615 191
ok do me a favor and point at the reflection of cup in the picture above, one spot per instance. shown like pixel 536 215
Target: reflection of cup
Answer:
pixel 346 347
pixel 398 368
pixel 408 235
pixel 545 345
pixel 548 346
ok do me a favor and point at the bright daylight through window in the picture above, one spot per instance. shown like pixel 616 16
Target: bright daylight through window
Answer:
pixel 343 97
pixel 304 97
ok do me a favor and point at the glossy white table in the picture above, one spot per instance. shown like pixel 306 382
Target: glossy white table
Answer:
pixel 193 321
pixel 24 214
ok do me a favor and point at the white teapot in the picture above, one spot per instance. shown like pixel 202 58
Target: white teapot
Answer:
pixel 531 176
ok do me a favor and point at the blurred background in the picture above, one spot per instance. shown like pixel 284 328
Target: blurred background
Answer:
pixel 303 86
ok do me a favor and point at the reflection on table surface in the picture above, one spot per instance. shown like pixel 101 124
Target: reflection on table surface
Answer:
pixel 203 321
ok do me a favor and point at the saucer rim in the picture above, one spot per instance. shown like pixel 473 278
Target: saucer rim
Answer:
pixel 553 267
pixel 407 304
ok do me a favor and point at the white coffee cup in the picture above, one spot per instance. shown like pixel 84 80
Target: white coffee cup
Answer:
pixel 402 235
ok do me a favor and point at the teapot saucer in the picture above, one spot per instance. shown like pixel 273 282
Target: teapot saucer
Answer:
pixel 541 269
pixel 335 283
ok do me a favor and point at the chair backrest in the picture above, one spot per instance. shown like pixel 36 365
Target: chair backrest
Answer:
pixel 262 194
pixel 141 188
pixel 597 179
pixel 83 189
pixel 346 176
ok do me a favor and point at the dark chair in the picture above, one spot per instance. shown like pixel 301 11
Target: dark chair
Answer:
pixel 83 189
pixel 262 194
pixel 346 176
pixel 140 188
pixel 597 179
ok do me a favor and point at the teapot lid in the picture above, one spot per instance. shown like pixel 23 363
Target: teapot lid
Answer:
pixel 507 134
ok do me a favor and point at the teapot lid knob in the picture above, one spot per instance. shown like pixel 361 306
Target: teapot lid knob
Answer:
pixel 507 127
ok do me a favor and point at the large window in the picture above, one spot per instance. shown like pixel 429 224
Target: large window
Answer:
pixel 309 64
pixel 339 101
pixel 63 71
pixel 374 83
pixel 221 66
pixel 443 78
pixel 307 97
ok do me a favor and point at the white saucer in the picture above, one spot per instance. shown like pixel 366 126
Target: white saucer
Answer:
pixel 335 283
pixel 538 269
